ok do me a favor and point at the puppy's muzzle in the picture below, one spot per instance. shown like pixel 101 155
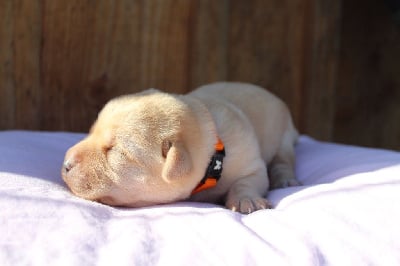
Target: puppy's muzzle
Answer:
pixel 77 178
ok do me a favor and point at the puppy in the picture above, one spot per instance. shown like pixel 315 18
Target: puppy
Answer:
pixel 211 145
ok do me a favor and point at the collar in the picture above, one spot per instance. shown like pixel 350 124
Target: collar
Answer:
pixel 214 169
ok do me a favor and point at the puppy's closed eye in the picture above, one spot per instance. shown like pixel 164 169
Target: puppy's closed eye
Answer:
pixel 106 149
pixel 113 152
pixel 109 145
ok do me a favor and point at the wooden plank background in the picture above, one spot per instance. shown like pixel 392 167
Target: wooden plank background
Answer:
pixel 336 63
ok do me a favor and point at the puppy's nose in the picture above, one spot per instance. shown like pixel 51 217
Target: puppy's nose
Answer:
pixel 68 165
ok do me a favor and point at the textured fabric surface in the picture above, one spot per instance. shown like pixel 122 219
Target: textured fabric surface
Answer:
pixel 346 213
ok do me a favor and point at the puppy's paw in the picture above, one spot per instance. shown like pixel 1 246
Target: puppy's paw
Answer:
pixel 247 205
pixel 283 182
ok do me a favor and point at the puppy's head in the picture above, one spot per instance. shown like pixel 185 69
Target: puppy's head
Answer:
pixel 144 149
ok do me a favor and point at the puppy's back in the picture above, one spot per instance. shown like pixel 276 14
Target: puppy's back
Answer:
pixel 268 114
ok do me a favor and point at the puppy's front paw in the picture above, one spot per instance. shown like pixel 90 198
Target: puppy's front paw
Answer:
pixel 247 205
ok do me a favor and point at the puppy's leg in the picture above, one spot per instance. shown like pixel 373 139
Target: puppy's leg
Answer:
pixel 247 194
pixel 281 168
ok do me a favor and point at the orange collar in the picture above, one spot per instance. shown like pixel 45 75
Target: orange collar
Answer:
pixel 214 169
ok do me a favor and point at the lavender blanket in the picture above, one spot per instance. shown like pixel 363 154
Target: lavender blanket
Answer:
pixel 346 213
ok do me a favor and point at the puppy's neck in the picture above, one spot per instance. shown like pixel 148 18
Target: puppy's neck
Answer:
pixel 214 169
pixel 203 148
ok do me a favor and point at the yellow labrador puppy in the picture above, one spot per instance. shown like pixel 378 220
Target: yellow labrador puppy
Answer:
pixel 211 145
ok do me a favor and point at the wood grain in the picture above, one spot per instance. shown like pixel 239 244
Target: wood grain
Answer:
pixel 266 47
pixel 101 49
pixel 334 62
pixel 27 50
pixel 7 88
pixel 321 58
pixel 368 93
pixel 208 42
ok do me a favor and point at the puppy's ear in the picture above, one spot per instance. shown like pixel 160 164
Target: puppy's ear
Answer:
pixel 177 160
